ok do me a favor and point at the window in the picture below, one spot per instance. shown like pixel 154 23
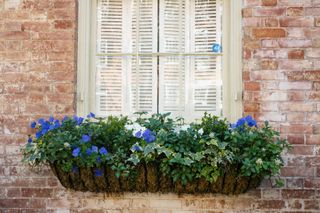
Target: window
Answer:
pixel 154 56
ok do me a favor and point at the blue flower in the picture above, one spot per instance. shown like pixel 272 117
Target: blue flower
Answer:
pixel 91 115
pixel 94 149
pixel 138 134
pixel 38 134
pixel 148 136
pixel 33 125
pixel 98 172
pixel 76 152
pixel 80 121
pixel 241 122
pixel 75 169
pixel 29 140
pixel 52 127
pixel 41 121
pixel 98 159
pixel 51 119
pixel 57 124
pixel 88 151
pixel 250 121
pixel 137 148
pixel 65 119
pixel 103 151
pixel 44 131
pixel 86 138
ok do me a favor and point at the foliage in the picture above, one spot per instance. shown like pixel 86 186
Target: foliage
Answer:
pixel 185 152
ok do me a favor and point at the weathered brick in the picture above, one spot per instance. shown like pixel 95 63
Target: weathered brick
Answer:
pixel 268 33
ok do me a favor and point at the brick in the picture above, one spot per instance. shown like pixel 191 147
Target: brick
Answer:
pixel 311 204
pixel 295 85
pixel 271 204
pixel 295 11
pixel 295 43
pixel 297 22
pixel 297 172
pixel 313 139
pixel 268 33
pixel 269 12
pixel 14 35
pixel 63 24
pixel 269 2
pixel 297 128
pixel 298 193
pixel 295 3
pixel 296 54
pixel 269 64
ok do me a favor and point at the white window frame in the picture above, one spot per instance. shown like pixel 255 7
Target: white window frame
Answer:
pixel 232 58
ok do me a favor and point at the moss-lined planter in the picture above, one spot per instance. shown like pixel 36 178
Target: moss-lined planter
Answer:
pixel 148 178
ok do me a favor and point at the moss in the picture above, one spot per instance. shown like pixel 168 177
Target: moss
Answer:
pixel 76 181
pixel 241 185
pixel 140 184
pixel 166 184
pixel 230 180
pixel 203 186
pixel 191 187
pixel 63 177
pixel 152 177
pixel 101 182
pixel 216 187
pixel 114 183
pixel 178 187
pixel 87 178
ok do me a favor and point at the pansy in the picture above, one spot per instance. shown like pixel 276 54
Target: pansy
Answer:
pixel 38 134
pixel 149 136
pixel 98 172
pixel 65 119
pixel 250 121
pixel 138 134
pixel 103 151
pixel 76 152
pixel 75 169
pixel 89 151
pixel 51 119
pixel 33 125
pixel 29 140
pixel 94 149
pixel 41 121
pixel 86 138
pixel 91 115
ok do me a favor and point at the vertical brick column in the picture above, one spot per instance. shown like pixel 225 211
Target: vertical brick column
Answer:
pixel 281 46
pixel 37 78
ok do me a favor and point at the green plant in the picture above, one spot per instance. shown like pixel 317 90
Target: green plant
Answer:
pixel 163 146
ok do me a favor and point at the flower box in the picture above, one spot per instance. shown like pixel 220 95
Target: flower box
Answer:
pixel 149 179
pixel 156 153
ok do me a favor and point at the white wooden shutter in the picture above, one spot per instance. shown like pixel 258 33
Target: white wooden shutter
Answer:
pixel 125 83
pixel 172 69
pixel 190 85
pixel 205 78
pixel 143 93
pixel 109 74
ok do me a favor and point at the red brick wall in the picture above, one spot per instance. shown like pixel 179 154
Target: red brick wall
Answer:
pixel 281 76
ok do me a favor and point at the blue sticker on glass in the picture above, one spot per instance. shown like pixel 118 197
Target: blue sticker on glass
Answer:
pixel 216 48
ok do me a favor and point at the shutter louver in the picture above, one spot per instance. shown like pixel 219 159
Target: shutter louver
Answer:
pixel 109 73
pixel 206 74
pixel 172 91
pixel 144 68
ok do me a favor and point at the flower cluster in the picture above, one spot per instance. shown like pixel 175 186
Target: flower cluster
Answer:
pixel 248 120
pixel 184 151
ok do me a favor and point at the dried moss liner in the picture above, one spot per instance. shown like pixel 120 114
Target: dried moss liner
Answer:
pixel 149 179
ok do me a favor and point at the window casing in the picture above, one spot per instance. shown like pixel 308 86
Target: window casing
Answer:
pixel 158 61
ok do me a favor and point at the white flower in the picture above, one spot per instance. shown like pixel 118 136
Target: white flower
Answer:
pixel 277 162
pixel 66 145
pixel 200 131
pixel 259 161
pixel 263 149
pixel 211 135
pixel 135 128
pixel 185 127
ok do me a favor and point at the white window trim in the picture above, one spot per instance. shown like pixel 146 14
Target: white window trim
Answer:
pixel 232 58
